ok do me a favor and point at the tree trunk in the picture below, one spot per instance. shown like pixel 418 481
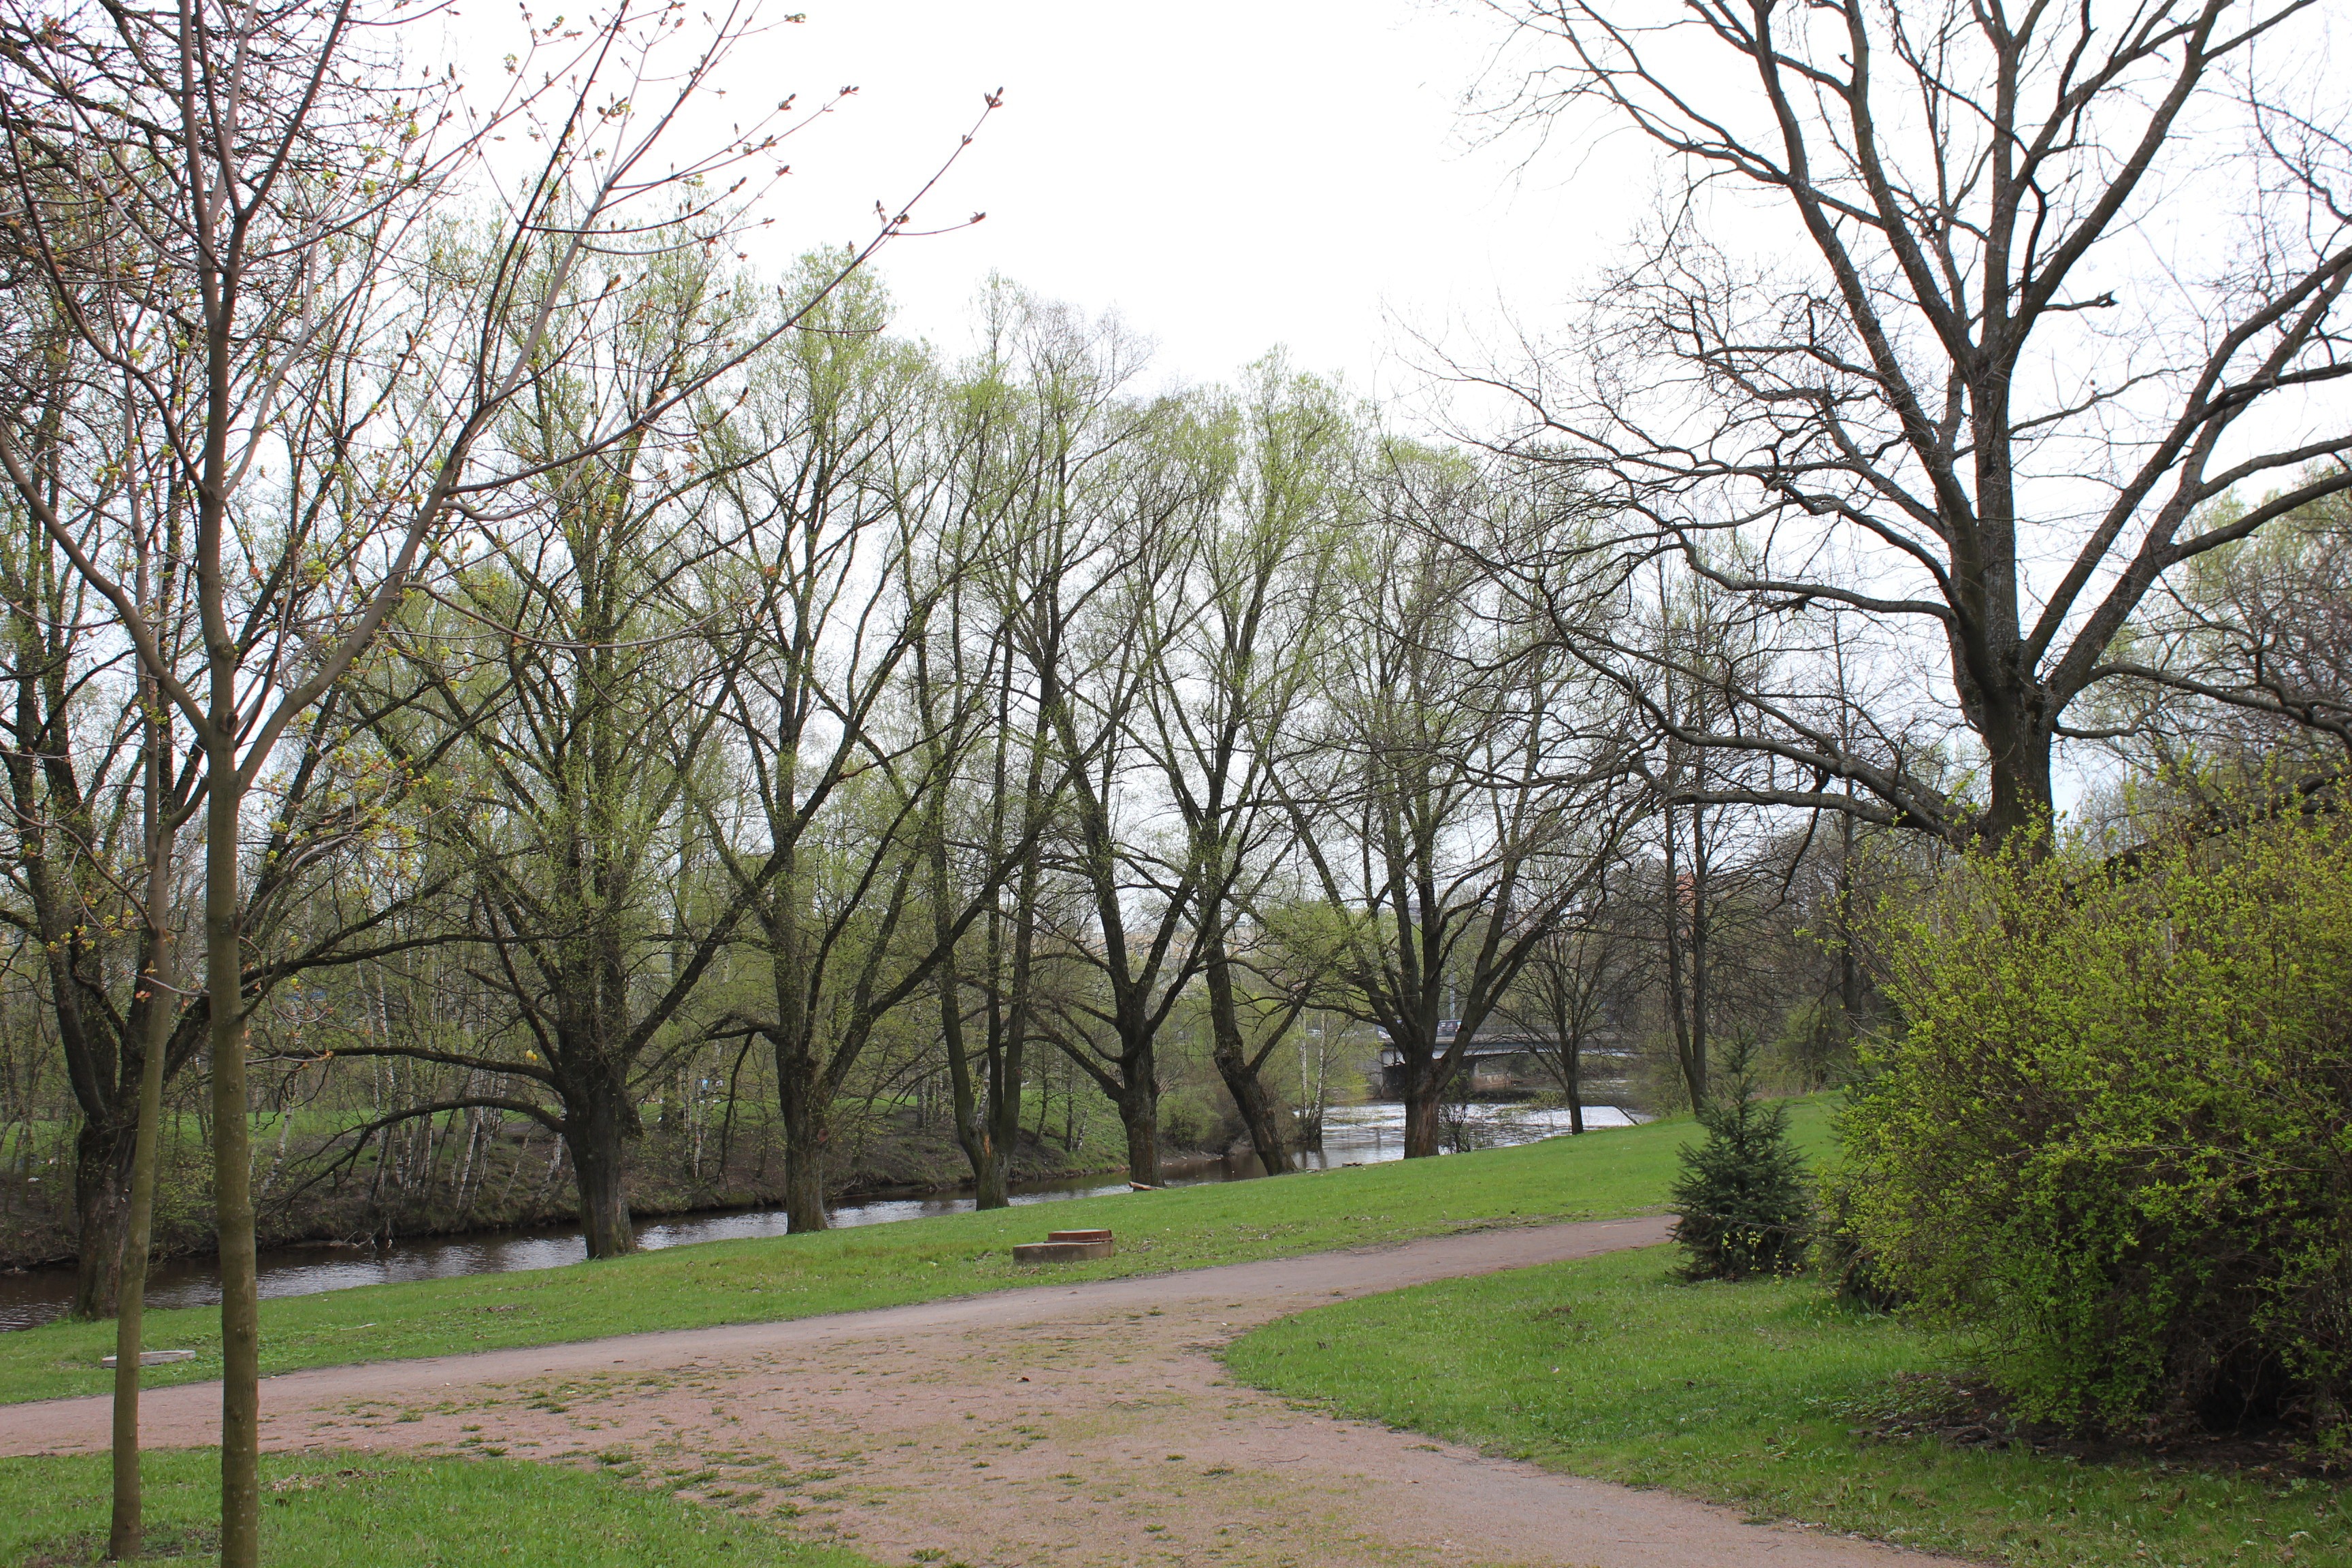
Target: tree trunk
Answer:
pixel 1256 1107
pixel 1572 1064
pixel 1423 1136
pixel 240 1456
pixel 991 1176
pixel 102 1152
pixel 1688 1053
pixel 982 1132
pixel 1138 1110
pixel 797 1096
pixel 1001 1123
pixel 990 1157
pixel 126 1531
pixel 604 1200
pixel 1241 1074
pixel 2021 797
pixel 1849 975
pixel 596 1127
pixel 1702 969
pixel 803 1180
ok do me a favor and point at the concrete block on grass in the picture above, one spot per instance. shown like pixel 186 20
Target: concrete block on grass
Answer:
pixel 1064 1246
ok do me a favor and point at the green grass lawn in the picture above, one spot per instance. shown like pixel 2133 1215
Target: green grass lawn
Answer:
pixel 1601 1174
pixel 341 1510
pixel 1745 1394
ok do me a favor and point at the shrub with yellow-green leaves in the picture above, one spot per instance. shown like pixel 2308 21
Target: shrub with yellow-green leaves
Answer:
pixel 2112 1138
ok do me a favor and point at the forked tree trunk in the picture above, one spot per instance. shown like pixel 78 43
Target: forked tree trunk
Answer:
pixel 979 1130
pixel 1241 1074
pixel 991 1133
pixel 986 1132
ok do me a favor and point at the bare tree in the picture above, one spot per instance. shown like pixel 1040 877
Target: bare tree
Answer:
pixel 1435 808
pixel 1578 983
pixel 2249 655
pixel 1104 499
pixel 97 791
pixel 991 814
pixel 987 826
pixel 80 851
pixel 229 206
pixel 1953 392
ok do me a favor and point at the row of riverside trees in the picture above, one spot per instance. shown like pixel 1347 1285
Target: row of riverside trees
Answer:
pixel 435 554
pixel 294 317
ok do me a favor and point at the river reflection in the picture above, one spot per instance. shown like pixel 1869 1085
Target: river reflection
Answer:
pixel 1352 1135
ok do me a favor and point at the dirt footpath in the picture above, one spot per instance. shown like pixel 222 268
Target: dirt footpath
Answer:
pixel 1061 1426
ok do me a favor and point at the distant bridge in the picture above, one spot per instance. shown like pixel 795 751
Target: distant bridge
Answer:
pixel 1497 1060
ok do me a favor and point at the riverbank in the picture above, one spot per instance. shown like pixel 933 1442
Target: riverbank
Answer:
pixel 510 1176
pixel 1600 1175
pixel 1355 1135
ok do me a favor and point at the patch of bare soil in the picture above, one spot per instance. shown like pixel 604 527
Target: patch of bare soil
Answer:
pixel 1077 1426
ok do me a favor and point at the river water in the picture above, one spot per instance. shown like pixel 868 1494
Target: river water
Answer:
pixel 1352 1135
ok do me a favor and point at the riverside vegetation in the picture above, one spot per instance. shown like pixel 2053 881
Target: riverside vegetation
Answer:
pixel 454 1176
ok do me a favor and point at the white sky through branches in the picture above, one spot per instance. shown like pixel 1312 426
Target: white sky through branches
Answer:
pixel 1228 176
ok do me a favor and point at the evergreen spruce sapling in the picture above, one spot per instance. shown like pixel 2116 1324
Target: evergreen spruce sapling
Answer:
pixel 1742 1200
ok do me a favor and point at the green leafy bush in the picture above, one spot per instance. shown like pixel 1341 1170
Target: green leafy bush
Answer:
pixel 1741 1196
pixel 1854 1274
pixel 2113 1137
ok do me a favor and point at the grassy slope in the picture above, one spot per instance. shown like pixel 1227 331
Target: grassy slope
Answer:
pixel 1742 1393
pixel 1600 1175
pixel 341 1510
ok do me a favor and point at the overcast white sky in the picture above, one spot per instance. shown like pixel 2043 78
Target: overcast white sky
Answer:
pixel 1228 176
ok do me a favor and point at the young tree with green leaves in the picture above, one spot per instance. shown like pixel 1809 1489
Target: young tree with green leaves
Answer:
pixel 841 765
pixel 1236 655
